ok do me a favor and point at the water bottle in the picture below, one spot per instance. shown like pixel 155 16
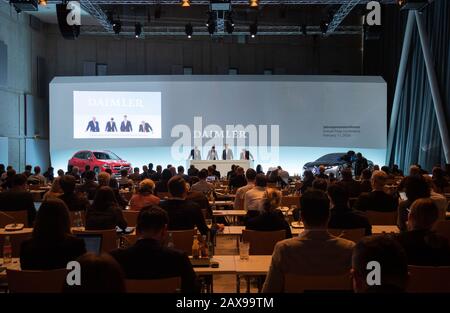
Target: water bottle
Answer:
pixel 7 251
pixel 170 243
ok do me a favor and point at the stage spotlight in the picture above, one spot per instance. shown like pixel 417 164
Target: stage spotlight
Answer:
pixel 117 27
pixel 189 30
pixel 137 30
pixel 185 3
pixel 253 30
pixel 413 4
pixel 304 30
pixel 253 3
pixel 43 2
pixel 229 26
pixel 324 27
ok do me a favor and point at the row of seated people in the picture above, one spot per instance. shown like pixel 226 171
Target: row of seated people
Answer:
pixel 314 252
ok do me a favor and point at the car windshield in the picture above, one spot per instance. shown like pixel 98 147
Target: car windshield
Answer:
pixel 332 157
pixel 106 156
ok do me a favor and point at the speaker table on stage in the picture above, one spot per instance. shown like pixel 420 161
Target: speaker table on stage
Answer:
pixel 223 166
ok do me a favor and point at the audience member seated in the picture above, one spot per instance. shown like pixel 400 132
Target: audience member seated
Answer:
pixel 145 173
pixel 440 182
pixel 49 174
pixel 55 191
pixel 37 178
pixel 202 201
pixel 366 184
pixel 392 261
pixel 75 202
pixel 284 176
pixel 422 245
pixel 104 180
pixel 414 170
pixel 231 173
pixel 341 215
pixel 183 214
pixel 271 218
pixel 439 199
pixel 124 181
pixel 161 185
pixel 8 178
pixel 87 168
pixel 52 245
pixel 113 183
pixel 396 171
pixel 202 185
pixel 416 187
pixel 352 186
pixel 144 197
pixel 308 179
pixel 99 274
pixel 314 251
pixel 90 186
pixel 180 172
pixel 322 173
pixel 17 198
pixel 250 175
pixel 75 172
pixel 156 176
pixel 254 196
pixel 193 171
pixel 27 171
pixel 215 172
pixel 104 212
pixel 259 169
pixel 320 184
pixel 148 258
pixel 238 180
pixel 135 176
pixel 2 170
pixel 377 200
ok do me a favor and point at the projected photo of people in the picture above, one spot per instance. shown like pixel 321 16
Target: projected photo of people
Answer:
pixel 145 127
pixel 116 114
pixel 125 126
pixel 93 126
pixel 111 126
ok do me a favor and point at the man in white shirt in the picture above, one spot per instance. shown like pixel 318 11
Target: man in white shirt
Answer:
pixel 227 153
pixel 195 154
pixel 202 185
pixel 212 154
pixel 246 155
pixel 254 197
pixel 250 174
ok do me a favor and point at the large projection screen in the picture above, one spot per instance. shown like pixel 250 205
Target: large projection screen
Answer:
pixel 281 120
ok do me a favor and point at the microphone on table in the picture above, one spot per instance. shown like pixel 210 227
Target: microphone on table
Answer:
pixel 14 226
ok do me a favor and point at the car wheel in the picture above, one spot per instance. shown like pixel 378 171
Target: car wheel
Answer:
pixel 96 170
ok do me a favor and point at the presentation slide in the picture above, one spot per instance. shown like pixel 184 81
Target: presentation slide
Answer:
pixel 116 114
pixel 281 119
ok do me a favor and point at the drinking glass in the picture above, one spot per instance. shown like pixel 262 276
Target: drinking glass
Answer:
pixel 244 250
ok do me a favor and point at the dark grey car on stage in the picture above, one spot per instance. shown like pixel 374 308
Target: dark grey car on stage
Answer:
pixel 333 163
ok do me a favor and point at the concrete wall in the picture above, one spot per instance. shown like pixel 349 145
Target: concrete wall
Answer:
pixel 24 45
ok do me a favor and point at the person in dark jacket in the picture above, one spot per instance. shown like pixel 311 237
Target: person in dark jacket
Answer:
pixel 422 245
pixel 148 258
pixel 271 218
pixel 18 199
pixel 74 201
pixel 352 186
pixel 90 186
pixel 366 184
pixel 161 185
pixel 104 212
pixel 238 180
pixel 183 214
pixel 52 245
pixel 341 215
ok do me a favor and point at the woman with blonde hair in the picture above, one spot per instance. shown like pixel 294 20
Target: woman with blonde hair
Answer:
pixel 271 218
pixel 144 197
pixel 55 191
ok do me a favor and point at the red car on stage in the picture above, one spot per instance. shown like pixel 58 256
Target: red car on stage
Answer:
pixel 99 161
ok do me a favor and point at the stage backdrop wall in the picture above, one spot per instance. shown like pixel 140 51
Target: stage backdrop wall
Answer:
pixel 282 120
